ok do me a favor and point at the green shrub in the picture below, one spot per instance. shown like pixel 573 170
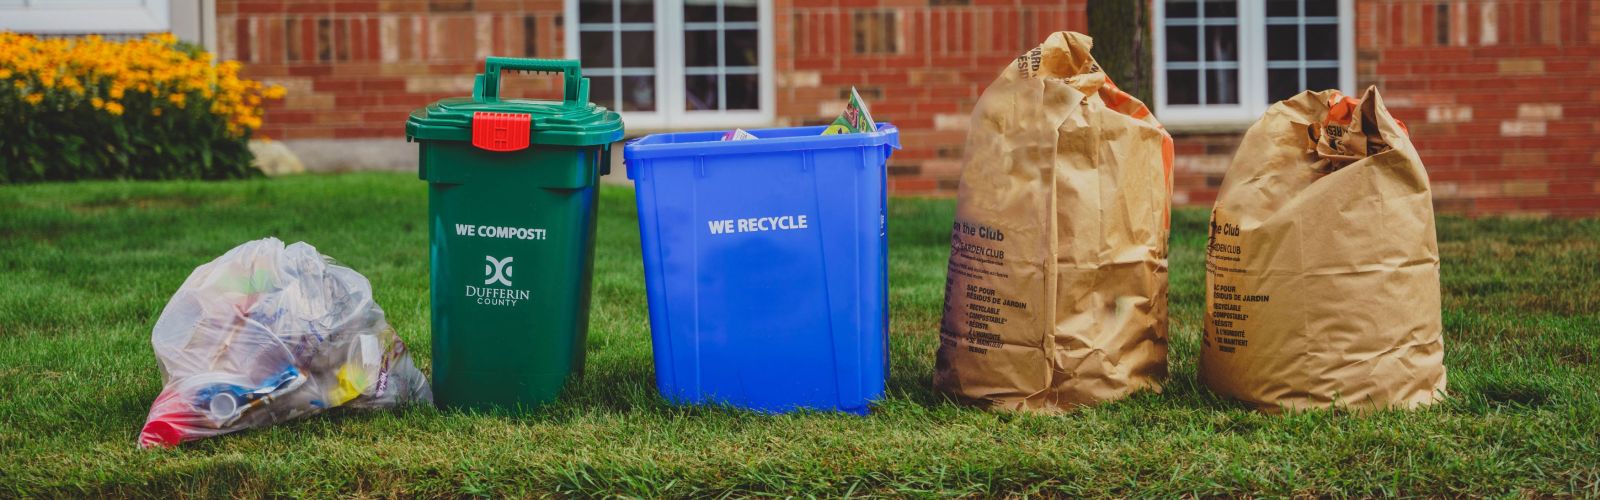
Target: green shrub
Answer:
pixel 149 108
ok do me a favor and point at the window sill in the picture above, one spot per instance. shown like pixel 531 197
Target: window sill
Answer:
pixel 1193 127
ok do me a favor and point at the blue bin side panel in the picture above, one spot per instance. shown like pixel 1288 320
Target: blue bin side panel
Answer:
pixel 758 316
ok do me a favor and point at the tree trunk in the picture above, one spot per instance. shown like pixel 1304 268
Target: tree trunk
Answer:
pixel 1121 31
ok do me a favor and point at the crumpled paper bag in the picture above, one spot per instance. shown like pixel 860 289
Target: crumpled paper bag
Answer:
pixel 1056 293
pixel 1322 267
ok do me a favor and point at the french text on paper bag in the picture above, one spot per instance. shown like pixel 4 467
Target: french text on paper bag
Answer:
pixel 506 232
pixel 757 224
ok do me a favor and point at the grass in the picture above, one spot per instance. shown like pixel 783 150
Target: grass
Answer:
pixel 85 269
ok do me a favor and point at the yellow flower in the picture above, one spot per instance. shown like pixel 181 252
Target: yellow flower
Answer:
pixel 103 72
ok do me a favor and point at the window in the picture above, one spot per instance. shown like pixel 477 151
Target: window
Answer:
pixel 84 16
pixel 677 63
pixel 1223 62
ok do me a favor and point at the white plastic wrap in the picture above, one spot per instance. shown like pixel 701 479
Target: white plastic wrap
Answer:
pixel 268 333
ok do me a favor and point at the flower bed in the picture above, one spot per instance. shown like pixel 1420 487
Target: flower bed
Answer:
pixel 148 108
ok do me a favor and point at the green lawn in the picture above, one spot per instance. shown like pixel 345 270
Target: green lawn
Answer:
pixel 86 268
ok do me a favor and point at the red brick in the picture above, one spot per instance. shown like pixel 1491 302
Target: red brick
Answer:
pixel 243 42
pixel 374 45
pixel 308 38
pixel 311 70
pixel 287 117
pixel 904 185
pixel 335 85
pixel 256 6
pixel 348 102
pixel 383 85
pixel 356 6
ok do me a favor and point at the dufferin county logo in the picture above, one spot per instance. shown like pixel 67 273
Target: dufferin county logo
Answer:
pixel 497 271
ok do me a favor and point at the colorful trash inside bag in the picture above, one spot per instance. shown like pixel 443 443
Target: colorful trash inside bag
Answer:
pixel 268 333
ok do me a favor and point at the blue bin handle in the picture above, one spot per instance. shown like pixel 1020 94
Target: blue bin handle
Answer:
pixel 575 88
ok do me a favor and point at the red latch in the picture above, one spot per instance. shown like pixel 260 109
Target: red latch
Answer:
pixel 501 131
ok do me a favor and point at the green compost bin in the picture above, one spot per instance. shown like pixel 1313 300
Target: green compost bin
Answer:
pixel 511 215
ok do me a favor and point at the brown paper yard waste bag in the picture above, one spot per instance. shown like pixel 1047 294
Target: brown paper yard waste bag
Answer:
pixel 1322 267
pixel 1056 293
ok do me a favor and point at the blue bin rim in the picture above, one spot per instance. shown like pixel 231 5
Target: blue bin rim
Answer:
pixel 660 145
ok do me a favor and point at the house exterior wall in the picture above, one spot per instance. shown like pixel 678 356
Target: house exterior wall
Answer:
pixel 1502 96
pixel 1502 99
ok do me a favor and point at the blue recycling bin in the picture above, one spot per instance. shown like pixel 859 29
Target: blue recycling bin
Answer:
pixel 766 266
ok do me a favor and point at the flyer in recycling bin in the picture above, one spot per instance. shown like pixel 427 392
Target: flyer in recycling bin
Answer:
pixel 738 134
pixel 854 119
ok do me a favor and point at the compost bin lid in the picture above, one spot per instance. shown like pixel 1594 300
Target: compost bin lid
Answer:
pixel 496 124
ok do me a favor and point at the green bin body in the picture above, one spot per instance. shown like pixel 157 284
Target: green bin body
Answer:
pixel 511 216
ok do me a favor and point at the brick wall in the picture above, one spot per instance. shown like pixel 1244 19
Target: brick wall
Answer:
pixel 1502 99
pixel 925 81
pixel 355 69
pixel 1501 96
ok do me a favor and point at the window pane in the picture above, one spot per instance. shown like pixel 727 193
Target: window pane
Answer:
pixel 739 48
pixel 1181 8
pixel 1284 8
pixel 700 11
pixel 1283 43
pixel 1322 8
pixel 1183 87
pixel 700 48
pixel 596 48
pixel 638 93
pixel 638 49
pixel 638 11
pixel 1322 42
pixel 1222 43
pixel 1180 43
pixel 602 91
pixel 744 91
pixel 700 92
pixel 594 11
pixel 739 10
pixel 1222 86
pixel 1282 84
pixel 1322 79
pixel 1222 8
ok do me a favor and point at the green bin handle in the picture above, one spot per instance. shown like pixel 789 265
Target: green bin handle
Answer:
pixel 575 91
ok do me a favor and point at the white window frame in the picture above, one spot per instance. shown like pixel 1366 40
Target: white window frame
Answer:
pixel 85 16
pixel 1253 63
pixel 671 110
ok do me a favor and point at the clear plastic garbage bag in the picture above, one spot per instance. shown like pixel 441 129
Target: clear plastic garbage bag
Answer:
pixel 268 333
